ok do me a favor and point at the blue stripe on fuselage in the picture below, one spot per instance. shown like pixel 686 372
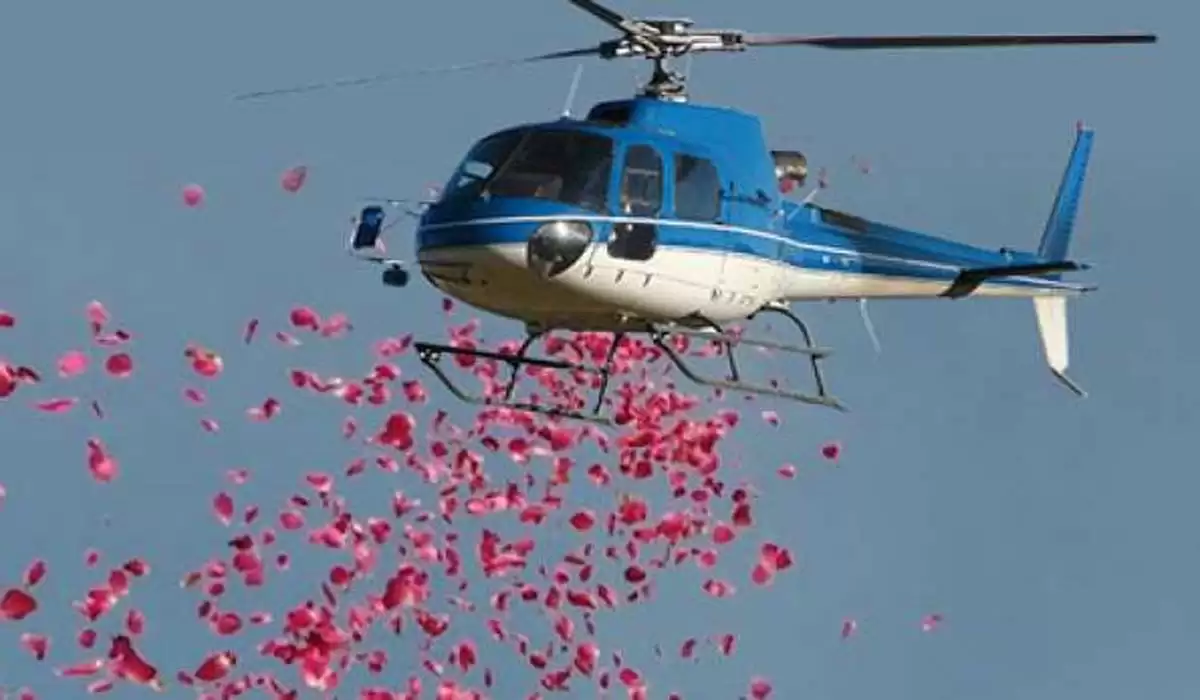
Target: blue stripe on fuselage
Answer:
pixel 907 254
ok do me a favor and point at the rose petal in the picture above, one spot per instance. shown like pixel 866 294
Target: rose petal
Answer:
pixel 72 363
pixel 119 365
pixel 293 178
pixel 193 195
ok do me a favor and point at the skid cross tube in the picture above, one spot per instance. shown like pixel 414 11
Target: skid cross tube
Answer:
pixel 733 382
pixel 431 354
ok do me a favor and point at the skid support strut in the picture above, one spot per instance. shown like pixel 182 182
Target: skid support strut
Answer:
pixel 432 353
pixel 820 396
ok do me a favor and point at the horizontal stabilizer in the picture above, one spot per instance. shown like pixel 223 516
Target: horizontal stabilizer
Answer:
pixel 969 280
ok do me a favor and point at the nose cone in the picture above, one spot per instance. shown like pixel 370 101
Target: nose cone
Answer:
pixel 555 246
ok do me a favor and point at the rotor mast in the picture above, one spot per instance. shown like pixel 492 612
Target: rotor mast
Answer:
pixel 661 40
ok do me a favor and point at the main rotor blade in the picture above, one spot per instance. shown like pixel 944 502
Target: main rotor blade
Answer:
pixel 612 19
pixel 384 77
pixel 944 41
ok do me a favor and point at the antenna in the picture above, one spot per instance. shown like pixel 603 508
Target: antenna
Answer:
pixel 866 319
pixel 566 113
pixel 662 40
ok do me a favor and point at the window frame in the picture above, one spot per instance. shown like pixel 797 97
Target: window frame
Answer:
pixel 660 202
pixel 456 185
pixel 717 193
pixel 646 232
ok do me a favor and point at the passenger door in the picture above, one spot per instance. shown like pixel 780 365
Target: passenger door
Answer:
pixel 640 196
pixel 699 198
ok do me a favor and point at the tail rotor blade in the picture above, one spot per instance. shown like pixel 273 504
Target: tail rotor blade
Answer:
pixel 398 75
pixel 944 41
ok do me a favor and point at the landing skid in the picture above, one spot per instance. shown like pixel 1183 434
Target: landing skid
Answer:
pixel 431 355
pixel 734 382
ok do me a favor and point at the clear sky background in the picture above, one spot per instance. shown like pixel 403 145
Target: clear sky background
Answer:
pixel 1057 536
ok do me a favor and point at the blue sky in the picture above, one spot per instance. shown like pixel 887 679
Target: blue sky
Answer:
pixel 1054 534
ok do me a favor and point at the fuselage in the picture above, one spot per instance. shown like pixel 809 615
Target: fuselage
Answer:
pixel 652 211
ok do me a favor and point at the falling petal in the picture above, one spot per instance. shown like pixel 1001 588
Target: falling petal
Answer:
pixel 72 363
pixel 16 605
pixel 57 405
pixel 223 507
pixel 251 329
pixel 36 644
pixel 760 689
pixel 35 573
pixel 293 178
pixel 100 463
pixel 119 365
pixel 97 315
pixel 193 195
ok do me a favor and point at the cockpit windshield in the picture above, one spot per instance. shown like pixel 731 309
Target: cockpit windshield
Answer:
pixel 572 167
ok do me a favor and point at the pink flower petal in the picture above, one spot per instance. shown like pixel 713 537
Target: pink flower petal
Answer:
pixel 97 316
pixel 72 363
pixel 293 178
pixel 35 573
pixel 36 644
pixel 304 317
pixel 193 195
pixel 56 405
pixel 760 689
pixel 16 605
pixel 223 507
pixel 100 463
pixel 119 365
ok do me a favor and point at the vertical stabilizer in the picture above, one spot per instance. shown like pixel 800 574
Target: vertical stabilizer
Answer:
pixel 1056 238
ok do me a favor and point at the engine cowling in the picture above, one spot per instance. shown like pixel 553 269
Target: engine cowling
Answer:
pixel 790 167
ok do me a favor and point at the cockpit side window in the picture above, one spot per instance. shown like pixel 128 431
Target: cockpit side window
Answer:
pixel 572 167
pixel 480 164
pixel 697 189
pixel 642 182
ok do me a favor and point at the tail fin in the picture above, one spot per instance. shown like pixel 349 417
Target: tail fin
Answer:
pixel 1051 311
pixel 1052 326
pixel 1056 238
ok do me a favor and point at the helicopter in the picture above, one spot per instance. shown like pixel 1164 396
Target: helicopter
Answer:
pixel 655 215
